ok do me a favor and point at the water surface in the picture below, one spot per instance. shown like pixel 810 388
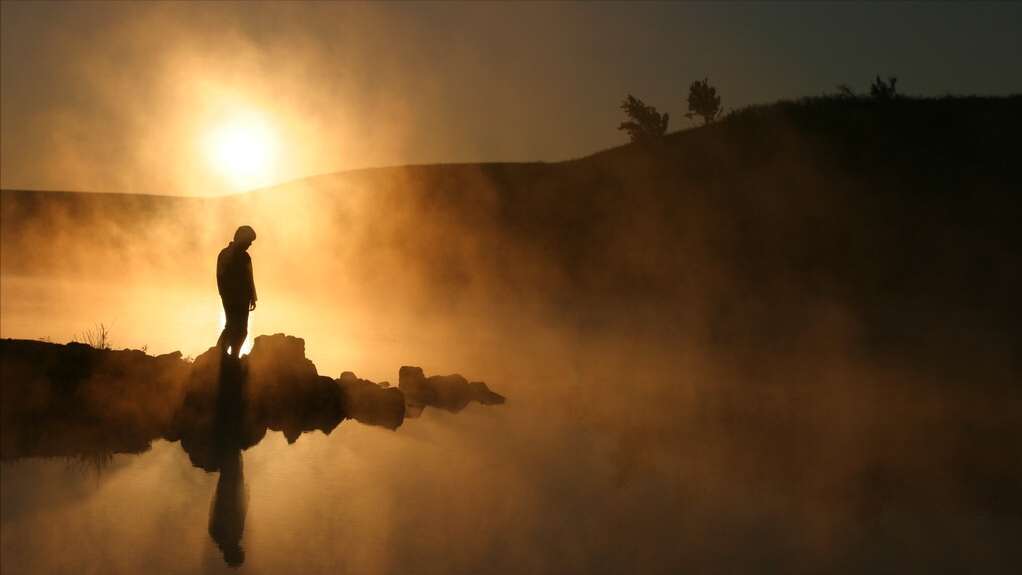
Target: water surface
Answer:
pixel 612 455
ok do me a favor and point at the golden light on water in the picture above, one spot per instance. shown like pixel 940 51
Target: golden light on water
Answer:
pixel 242 149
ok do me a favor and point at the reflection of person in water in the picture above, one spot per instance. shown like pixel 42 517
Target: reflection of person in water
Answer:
pixel 237 289
pixel 227 513
pixel 230 502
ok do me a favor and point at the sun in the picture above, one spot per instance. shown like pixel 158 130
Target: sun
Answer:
pixel 242 150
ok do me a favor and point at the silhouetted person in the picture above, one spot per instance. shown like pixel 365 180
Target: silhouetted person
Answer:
pixel 237 289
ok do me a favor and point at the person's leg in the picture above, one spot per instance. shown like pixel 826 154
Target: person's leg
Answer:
pixel 235 330
pixel 224 341
pixel 237 322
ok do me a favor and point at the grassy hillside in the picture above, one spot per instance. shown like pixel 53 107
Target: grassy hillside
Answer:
pixel 903 213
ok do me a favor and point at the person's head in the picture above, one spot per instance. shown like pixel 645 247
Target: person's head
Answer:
pixel 244 236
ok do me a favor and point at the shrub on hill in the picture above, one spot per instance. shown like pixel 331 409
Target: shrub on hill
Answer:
pixel 646 123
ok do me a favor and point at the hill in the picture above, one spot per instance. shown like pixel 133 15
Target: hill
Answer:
pixel 902 213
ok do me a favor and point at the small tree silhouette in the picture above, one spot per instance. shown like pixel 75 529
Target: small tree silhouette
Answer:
pixel 703 101
pixel 846 91
pixel 98 339
pixel 881 90
pixel 646 123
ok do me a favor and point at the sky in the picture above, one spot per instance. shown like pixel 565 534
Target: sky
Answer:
pixel 206 99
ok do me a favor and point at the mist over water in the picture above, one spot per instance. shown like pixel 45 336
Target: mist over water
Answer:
pixel 764 369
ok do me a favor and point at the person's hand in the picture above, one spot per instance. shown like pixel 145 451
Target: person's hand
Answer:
pixel 251 305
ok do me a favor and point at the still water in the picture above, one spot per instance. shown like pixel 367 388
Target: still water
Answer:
pixel 606 458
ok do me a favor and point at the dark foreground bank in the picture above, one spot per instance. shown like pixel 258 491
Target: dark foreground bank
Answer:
pixel 68 400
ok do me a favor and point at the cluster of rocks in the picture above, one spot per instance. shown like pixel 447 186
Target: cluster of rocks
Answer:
pixel 73 399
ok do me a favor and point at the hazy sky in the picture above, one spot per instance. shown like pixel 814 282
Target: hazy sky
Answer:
pixel 209 98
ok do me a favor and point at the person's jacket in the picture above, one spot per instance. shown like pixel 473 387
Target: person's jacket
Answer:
pixel 234 275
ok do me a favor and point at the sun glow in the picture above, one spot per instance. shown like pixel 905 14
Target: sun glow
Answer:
pixel 242 150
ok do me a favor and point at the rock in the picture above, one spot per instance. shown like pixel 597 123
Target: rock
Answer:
pixel 60 400
pixel 448 392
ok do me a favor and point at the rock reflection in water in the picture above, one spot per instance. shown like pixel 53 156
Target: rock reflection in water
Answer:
pixel 73 400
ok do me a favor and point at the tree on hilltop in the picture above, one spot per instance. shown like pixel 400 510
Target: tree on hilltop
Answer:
pixel 646 123
pixel 881 90
pixel 703 101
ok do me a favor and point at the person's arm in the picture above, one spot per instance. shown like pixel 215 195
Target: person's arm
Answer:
pixel 251 282
pixel 221 272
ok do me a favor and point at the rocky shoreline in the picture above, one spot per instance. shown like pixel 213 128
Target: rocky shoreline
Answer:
pixel 73 399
